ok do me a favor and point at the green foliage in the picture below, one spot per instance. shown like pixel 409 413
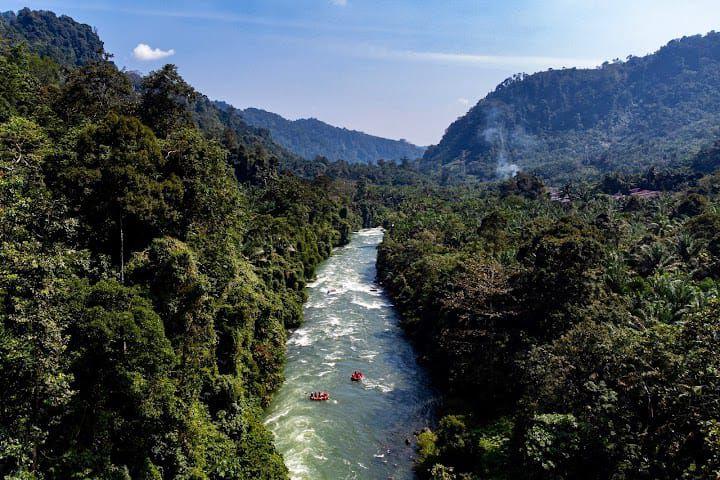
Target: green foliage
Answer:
pixel 113 172
pixel 427 447
pixel 571 340
pixel 551 441
pixel 708 160
pixel 141 333
pixel 60 39
pixel 165 101
pixel 121 367
pixel 22 144
pixel 252 152
pixel 22 91
pixel 94 90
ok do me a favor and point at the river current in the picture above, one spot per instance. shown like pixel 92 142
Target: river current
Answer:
pixel 350 324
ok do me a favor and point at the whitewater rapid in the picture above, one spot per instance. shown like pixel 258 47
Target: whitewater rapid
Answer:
pixel 350 324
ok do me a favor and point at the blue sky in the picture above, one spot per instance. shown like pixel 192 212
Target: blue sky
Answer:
pixel 400 68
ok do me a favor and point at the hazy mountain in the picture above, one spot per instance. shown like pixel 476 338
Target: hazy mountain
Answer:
pixel 653 110
pixel 311 137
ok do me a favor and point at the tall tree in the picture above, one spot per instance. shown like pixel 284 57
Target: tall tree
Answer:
pixel 166 99
pixel 93 90
pixel 115 173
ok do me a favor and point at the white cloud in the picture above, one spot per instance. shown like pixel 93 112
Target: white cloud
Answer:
pixel 463 101
pixel 342 3
pixel 480 60
pixel 146 53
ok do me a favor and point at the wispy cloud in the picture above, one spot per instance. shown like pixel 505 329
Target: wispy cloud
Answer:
pixel 342 3
pixel 476 59
pixel 146 53
pixel 260 21
pixel 463 101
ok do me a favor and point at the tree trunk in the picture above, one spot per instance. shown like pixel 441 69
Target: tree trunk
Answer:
pixel 122 252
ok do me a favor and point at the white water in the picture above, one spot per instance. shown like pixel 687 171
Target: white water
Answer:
pixel 350 325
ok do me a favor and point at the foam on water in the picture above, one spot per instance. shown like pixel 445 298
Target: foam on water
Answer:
pixel 370 305
pixel 274 418
pixel 368 355
pixel 333 320
pixel 300 338
pixel 379 386
pixel 349 325
pixel 371 232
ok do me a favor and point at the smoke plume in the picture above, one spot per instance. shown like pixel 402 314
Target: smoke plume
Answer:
pixel 495 135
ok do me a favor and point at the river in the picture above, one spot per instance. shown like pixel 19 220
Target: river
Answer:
pixel 350 324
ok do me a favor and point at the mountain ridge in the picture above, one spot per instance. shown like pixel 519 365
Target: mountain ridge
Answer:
pixel 311 137
pixel 658 109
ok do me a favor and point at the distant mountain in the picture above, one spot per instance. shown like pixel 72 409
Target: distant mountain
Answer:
pixel 310 138
pixel 654 110
pixel 61 38
pixel 217 119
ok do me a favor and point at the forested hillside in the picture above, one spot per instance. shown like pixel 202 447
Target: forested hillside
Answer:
pixel 151 260
pixel 59 38
pixel 311 138
pixel 574 338
pixel 560 124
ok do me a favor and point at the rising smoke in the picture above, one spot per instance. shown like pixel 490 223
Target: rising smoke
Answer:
pixel 496 137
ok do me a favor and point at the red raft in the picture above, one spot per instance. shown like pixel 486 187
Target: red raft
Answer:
pixel 319 396
pixel 357 376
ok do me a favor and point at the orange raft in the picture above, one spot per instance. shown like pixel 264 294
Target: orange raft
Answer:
pixel 357 376
pixel 319 396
